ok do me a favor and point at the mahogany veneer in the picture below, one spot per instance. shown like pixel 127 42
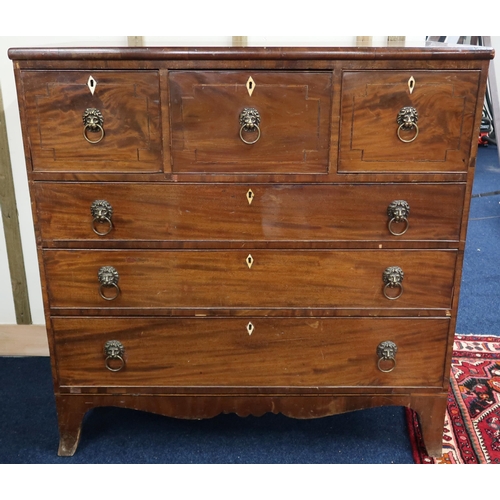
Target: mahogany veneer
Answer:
pixel 199 259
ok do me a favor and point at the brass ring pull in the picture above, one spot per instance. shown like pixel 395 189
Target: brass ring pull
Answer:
pixel 250 121
pixel 114 350
pixel 402 127
pixel 101 212
pixel 101 220
pixel 108 277
pixel 88 127
pixel 398 212
pixel 407 120
pixel 93 122
pixel 386 359
pixel 386 351
pixel 250 142
pixel 108 366
pixel 387 296
pixel 105 297
pixel 393 220
pixel 393 277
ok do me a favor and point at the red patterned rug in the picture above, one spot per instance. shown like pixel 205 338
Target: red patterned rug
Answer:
pixel 472 424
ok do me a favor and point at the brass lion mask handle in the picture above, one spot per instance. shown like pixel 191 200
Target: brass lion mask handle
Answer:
pixel 101 212
pixel 108 278
pixel 93 123
pixel 386 352
pixel 114 355
pixel 393 278
pixel 398 212
pixel 249 123
pixel 407 120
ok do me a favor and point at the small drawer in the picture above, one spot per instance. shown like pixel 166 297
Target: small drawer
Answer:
pixel 280 279
pixel 432 134
pixel 91 213
pixel 85 121
pixel 251 352
pixel 250 121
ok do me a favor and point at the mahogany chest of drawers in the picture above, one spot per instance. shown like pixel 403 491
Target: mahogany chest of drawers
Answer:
pixel 251 230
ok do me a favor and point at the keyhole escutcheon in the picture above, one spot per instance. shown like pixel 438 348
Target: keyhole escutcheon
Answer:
pixel 250 261
pixel 250 196
pixel 250 86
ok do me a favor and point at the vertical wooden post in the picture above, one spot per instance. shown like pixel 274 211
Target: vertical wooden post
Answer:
pixel 135 41
pixel 395 40
pixel 364 40
pixel 240 41
pixel 11 227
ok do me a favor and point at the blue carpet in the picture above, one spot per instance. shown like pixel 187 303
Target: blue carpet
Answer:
pixel 115 436
pixel 480 290
pixel 28 425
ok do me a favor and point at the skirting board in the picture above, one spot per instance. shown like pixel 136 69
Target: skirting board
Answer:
pixel 23 340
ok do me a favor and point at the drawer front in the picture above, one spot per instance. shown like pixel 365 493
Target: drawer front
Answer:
pixel 438 141
pixel 249 279
pixel 279 352
pixel 289 130
pixel 127 139
pixel 204 212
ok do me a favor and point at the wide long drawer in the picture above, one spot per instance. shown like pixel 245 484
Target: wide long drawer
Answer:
pixel 250 279
pixel 134 212
pixel 249 352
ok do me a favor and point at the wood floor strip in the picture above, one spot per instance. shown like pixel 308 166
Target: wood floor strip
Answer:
pixel 23 340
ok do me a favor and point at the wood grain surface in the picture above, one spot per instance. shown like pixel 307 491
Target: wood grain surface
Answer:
pixel 292 214
pixel 294 110
pixel 445 102
pixel 129 103
pixel 298 352
pixel 279 279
